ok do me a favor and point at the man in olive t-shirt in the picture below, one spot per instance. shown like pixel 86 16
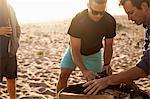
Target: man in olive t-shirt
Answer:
pixel 87 31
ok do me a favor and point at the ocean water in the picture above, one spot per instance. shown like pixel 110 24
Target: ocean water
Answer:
pixel 42 10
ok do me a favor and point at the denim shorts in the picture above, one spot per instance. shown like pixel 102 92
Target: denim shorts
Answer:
pixel 92 62
pixel 8 67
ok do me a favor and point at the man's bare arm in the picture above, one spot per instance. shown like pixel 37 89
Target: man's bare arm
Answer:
pixel 75 48
pixel 127 76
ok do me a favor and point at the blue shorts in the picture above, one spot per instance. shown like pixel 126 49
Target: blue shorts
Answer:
pixel 92 62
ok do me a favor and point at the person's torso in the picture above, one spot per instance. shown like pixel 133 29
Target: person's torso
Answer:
pixel 91 33
pixel 4 40
pixel 147 35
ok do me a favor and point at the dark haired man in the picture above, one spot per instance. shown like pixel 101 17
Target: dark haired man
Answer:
pixel 139 12
pixel 87 30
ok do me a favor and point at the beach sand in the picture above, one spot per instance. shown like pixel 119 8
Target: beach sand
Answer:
pixel 42 45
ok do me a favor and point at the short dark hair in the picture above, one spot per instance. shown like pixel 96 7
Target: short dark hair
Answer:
pixel 136 3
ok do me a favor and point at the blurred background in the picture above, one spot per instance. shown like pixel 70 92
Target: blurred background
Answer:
pixel 42 10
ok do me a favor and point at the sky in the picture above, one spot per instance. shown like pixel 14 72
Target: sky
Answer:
pixel 41 10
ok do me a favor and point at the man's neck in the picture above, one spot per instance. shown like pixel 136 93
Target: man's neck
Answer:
pixel 147 19
pixel 148 16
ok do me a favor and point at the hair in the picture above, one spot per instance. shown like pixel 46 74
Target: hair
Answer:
pixel 136 3
pixel 98 1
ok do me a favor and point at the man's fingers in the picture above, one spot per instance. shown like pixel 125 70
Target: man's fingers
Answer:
pixel 9 32
pixel 87 83
pixel 90 85
pixel 92 89
pixel 97 90
pixel 9 29
pixel 7 35
pixel 87 89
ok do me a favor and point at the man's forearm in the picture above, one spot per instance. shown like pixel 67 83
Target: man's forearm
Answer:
pixel 126 76
pixel 78 61
pixel 107 55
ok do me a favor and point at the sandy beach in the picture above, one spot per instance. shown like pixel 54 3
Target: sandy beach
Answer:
pixel 42 45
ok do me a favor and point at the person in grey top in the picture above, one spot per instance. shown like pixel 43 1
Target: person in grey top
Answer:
pixel 9 43
pixel 138 11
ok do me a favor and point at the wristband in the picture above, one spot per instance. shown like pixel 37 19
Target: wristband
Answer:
pixel 105 64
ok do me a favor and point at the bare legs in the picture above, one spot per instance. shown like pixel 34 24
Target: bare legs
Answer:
pixel 63 78
pixel 11 86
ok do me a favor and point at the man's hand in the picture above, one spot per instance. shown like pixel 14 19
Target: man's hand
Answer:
pixel 89 75
pixel 5 30
pixel 94 86
pixel 108 69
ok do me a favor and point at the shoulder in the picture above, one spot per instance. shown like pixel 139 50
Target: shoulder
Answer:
pixel 79 19
pixel 110 25
pixel 10 8
pixel 81 15
pixel 109 18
